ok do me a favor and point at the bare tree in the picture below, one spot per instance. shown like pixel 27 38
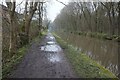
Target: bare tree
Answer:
pixel 28 17
pixel 119 18
pixel 85 17
pixel 13 34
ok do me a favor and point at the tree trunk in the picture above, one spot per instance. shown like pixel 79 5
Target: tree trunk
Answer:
pixel 13 32
pixel 28 18
pixel 119 17
pixel 40 20
pixel 113 19
pixel 27 28
pixel 119 35
pixel 12 47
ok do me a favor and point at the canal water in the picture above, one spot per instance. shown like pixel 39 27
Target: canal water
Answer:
pixel 105 52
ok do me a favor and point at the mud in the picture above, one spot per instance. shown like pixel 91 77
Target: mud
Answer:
pixel 44 60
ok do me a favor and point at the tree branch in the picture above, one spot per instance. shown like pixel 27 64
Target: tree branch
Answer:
pixel 61 2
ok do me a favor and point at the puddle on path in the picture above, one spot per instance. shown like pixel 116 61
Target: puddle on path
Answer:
pixel 51 43
pixel 51 49
pixel 54 58
pixel 50 37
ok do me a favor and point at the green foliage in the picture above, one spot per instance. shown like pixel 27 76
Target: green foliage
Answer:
pixel 11 62
pixel 44 32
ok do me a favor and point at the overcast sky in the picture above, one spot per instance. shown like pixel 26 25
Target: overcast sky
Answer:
pixel 54 7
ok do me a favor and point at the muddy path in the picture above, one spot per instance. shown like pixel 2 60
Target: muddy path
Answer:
pixel 44 60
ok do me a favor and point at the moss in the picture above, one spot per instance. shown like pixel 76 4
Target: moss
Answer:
pixel 83 65
pixel 43 33
pixel 10 63
pixel 16 58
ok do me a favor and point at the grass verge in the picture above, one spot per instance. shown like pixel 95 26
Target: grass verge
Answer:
pixel 84 66
pixel 10 63
pixel 13 61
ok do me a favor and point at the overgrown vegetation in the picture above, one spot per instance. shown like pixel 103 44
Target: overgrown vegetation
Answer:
pixel 10 62
pixel 96 19
pixel 19 29
pixel 84 66
pixel 96 35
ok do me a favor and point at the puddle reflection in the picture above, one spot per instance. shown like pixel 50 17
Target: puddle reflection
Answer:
pixel 54 58
pixel 51 48
pixel 51 43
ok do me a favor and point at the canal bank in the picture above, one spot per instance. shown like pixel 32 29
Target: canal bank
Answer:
pixel 105 52
pixel 82 64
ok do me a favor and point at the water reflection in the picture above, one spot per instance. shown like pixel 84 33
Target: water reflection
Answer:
pixel 54 58
pixel 51 43
pixel 50 37
pixel 103 51
pixel 51 48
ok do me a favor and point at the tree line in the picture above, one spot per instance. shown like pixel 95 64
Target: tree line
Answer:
pixel 20 28
pixel 90 18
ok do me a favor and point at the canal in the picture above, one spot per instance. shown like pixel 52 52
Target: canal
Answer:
pixel 105 52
